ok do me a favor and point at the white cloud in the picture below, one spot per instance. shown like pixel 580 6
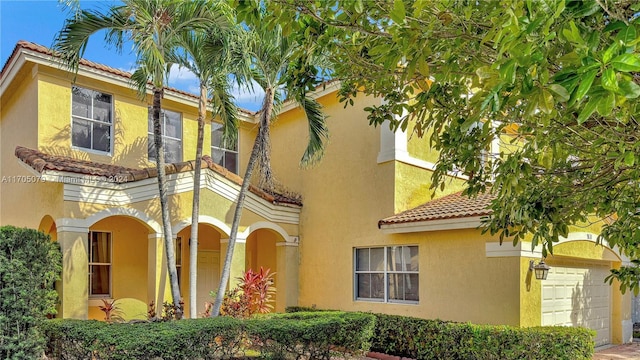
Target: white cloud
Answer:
pixel 245 94
pixel 181 75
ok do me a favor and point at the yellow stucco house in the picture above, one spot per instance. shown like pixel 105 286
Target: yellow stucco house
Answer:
pixel 366 236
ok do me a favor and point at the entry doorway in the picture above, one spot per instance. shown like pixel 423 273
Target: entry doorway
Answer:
pixel 208 276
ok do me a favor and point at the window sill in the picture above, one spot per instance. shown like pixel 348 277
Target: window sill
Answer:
pixel 91 151
pixel 388 302
pixel 97 301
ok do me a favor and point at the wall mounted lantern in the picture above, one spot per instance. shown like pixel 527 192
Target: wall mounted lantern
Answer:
pixel 541 270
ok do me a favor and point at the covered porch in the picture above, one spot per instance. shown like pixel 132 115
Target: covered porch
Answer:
pixel 113 244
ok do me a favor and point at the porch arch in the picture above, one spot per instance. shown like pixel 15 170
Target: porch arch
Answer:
pixel 265 225
pixel 202 219
pixel 129 212
pixel 591 237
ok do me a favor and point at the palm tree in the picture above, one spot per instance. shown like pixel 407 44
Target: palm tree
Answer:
pixel 276 63
pixel 153 27
pixel 211 56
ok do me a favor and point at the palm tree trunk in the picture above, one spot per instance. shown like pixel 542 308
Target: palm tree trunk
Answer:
pixel 265 119
pixel 162 187
pixel 195 210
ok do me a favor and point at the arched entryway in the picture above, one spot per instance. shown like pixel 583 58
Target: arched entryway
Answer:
pixel 118 266
pixel 268 246
pixel 48 226
pixel 209 263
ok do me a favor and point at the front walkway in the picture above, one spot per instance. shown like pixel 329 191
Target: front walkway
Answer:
pixel 626 351
pixel 615 352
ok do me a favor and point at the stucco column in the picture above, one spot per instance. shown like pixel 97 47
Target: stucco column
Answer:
pixel 237 262
pixel 74 286
pixel 622 330
pixel 287 274
pixel 156 271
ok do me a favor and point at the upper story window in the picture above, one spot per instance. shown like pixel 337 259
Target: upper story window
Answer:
pixel 171 127
pixel 387 274
pixel 91 114
pixel 226 156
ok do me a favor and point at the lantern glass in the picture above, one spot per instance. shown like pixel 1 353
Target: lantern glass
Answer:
pixel 541 270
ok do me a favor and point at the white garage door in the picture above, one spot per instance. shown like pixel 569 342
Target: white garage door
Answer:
pixel 575 294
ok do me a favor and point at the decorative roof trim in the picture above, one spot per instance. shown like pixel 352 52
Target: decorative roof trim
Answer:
pixel 432 225
pixel 38 54
pixel 105 176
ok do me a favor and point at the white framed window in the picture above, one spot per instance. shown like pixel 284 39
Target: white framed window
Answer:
pixel 171 128
pixel 91 120
pixel 100 247
pixel 387 274
pixel 225 155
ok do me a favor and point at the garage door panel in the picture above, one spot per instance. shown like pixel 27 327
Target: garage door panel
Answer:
pixel 575 294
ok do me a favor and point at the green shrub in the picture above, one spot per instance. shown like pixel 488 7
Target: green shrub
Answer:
pixel 29 265
pixel 219 338
pixel 436 339
pixel 275 336
pixel 312 334
pixel 295 309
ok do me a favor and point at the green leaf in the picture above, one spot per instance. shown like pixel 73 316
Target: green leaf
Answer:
pixel 627 35
pixel 629 89
pixel 485 72
pixel 626 62
pixel 398 12
pixel 359 7
pixel 417 7
pixel 559 9
pixel 606 104
pixel 629 158
pixel 608 54
pixel 560 92
pixel 573 34
pixel 609 80
pixel 545 102
pixel 508 71
pixel 585 85
pixel 587 111
pixel 616 25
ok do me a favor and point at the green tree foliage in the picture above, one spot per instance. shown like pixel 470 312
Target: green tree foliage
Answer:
pixel 29 265
pixel 560 76
pixel 278 63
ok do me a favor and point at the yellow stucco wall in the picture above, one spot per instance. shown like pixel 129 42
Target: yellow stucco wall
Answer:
pixel 413 187
pixel 420 147
pixel 19 122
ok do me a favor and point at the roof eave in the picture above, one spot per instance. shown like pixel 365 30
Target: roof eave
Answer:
pixel 470 222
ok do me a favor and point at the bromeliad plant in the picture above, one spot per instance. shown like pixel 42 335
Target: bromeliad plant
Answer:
pixel 112 313
pixel 253 295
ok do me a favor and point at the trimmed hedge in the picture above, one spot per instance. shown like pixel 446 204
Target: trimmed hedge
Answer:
pixel 275 336
pixel 313 334
pixel 436 339
pixel 219 338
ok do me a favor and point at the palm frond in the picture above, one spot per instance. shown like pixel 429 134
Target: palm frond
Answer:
pixel 318 132
pixel 139 80
pixel 71 42
pixel 224 106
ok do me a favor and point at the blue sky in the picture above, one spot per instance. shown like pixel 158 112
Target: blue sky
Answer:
pixel 40 21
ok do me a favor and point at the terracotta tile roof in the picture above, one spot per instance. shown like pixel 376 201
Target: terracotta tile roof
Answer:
pixel 40 162
pixel 448 207
pixel 22 44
